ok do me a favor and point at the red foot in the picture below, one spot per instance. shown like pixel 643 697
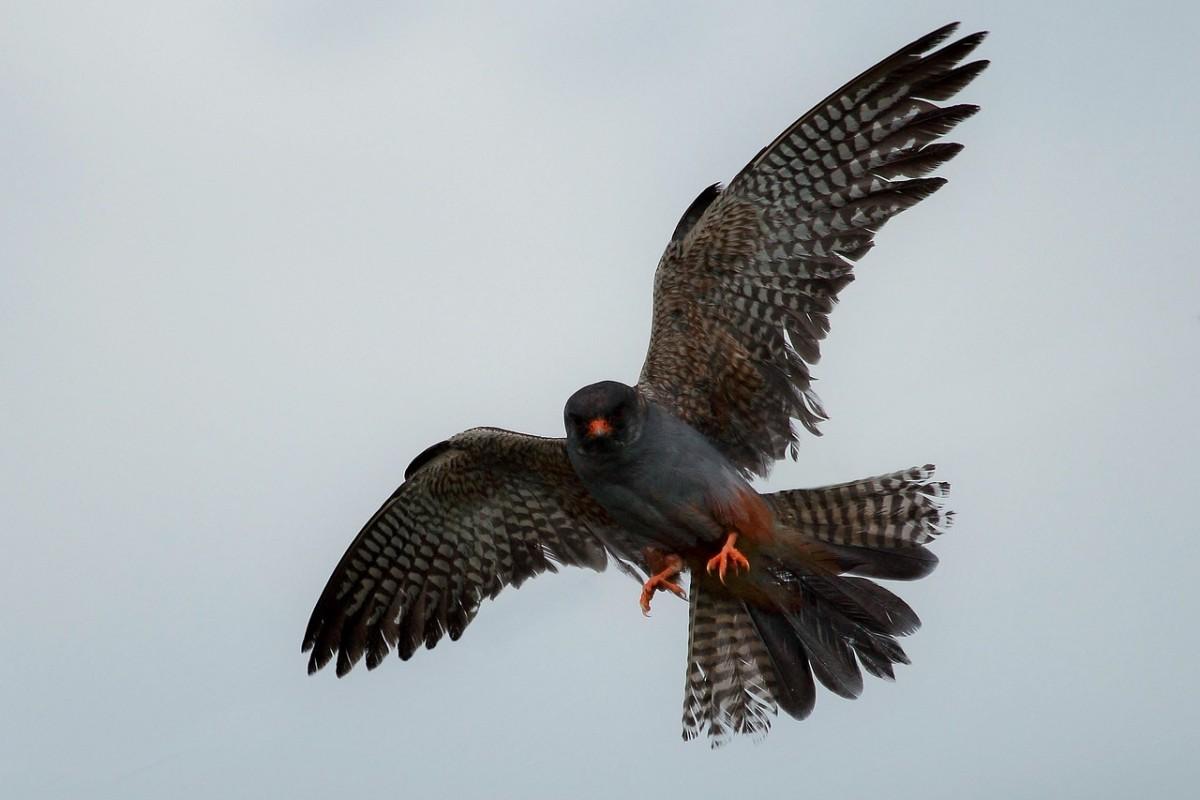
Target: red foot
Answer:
pixel 720 562
pixel 662 582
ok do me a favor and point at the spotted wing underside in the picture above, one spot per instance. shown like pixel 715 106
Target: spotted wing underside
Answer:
pixel 744 289
pixel 484 510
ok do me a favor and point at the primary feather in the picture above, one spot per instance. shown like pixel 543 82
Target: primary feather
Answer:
pixel 742 298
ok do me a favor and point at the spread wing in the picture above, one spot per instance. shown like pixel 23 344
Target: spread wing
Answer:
pixel 484 510
pixel 743 292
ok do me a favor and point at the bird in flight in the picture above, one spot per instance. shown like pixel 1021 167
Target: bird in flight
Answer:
pixel 654 477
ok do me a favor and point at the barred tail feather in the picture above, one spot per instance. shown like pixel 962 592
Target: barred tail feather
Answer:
pixel 748 662
pixel 900 509
pixel 731 684
pixel 796 695
pixel 824 620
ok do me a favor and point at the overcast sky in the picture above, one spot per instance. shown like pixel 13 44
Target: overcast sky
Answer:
pixel 255 256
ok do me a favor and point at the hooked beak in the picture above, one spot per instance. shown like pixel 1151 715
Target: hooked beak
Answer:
pixel 598 427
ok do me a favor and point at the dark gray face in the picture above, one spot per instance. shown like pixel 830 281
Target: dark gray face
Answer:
pixel 602 417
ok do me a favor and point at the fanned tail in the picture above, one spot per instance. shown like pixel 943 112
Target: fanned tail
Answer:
pixel 747 662
pixel 811 614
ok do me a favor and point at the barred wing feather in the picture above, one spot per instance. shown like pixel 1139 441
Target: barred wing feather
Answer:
pixel 484 510
pixel 743 291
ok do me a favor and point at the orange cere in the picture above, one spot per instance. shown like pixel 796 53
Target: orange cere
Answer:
pixel 599 427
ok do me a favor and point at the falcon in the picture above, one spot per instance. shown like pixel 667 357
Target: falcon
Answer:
pixel 655 477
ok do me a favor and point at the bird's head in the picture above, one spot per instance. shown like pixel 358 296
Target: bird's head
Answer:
pixel 603 417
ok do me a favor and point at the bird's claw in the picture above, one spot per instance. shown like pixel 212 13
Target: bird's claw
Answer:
pixel 658 584
pixel 720 562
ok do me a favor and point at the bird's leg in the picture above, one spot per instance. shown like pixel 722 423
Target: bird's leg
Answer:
pixel 720 562
pixel 666 566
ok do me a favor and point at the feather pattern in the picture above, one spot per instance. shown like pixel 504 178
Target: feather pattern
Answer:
pixel 742 297
pixel 731 682
pixel 743 291
pixel 748 659
pixel 897 510
pixel 485 510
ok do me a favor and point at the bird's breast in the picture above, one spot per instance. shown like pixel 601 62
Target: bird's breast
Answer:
pixel 675 490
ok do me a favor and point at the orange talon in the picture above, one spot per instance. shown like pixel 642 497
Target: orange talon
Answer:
pixel 661 581
pixel 720 562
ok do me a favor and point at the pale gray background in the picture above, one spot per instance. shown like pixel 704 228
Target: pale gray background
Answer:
pixel 257 255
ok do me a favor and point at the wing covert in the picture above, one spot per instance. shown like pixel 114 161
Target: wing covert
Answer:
pixel 483 510
pixel 743 291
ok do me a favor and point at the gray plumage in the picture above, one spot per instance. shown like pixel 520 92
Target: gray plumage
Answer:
pixel 655 478
pixel 657 473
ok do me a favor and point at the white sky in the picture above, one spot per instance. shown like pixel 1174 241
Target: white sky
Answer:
pixel 255 256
